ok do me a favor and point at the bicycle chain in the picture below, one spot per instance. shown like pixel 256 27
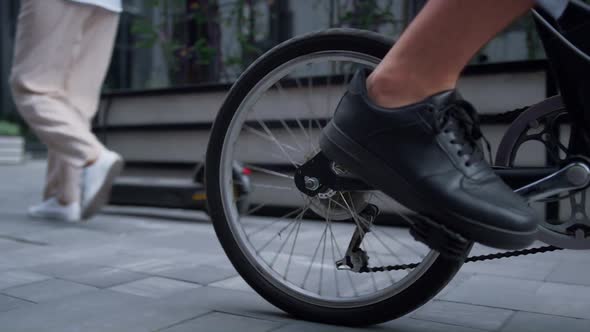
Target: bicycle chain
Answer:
pixel 480 258
pixel 507 116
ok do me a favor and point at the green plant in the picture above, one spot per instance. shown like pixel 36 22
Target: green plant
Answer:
pixel 9 129
pixel 164 34
pixel 372 15
pixel 188 33
pixel 245 17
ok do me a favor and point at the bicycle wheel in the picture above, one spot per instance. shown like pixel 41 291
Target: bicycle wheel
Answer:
pixel 270 124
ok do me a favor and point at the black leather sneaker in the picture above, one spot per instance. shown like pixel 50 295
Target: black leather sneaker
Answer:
pixel 428 157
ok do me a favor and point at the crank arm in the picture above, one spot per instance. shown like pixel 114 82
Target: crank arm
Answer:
pixel 574 176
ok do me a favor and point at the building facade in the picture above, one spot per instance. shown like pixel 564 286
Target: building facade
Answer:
pixel 182 43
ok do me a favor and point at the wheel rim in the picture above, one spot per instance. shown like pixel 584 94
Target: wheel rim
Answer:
pixel 276 260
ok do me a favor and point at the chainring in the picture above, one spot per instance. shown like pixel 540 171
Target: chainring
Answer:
pixel 543 123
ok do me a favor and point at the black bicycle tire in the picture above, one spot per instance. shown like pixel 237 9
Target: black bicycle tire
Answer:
pixel 411 298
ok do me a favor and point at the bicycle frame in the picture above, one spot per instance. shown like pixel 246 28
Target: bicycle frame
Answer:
pixel 567 47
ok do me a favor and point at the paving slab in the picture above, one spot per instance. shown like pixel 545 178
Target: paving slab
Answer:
pixel 155 287
pixel 64 269
pixel 234 283
pixel 222 322
pixel 575 273
pixel 143 270
pixel 416 325
pixel 8 303
pixel 524 295
pixel 309 327
pixel 8 244
pixel 30 256
pixel 16 278
pixel 531 322
pixel 105 277
pixel 478 317
pixel 47 290
pixel 98 311
pixel 201 274
pixel 229 301
pixel 519 268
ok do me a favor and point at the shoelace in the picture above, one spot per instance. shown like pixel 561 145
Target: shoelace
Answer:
pixel 461 118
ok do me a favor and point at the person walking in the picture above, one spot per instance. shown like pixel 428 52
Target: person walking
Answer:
pixel 62 52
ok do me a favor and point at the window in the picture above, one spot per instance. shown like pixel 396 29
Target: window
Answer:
pixel 173 43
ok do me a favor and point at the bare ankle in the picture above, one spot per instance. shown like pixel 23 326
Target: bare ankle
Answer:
pixel 63 202
pixel 397 90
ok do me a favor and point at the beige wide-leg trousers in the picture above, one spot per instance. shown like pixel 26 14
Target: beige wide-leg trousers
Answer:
pixel 62 53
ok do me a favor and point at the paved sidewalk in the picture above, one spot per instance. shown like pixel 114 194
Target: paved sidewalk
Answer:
pixel 165 271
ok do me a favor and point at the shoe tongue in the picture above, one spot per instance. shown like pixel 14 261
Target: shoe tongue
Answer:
pixel 444 98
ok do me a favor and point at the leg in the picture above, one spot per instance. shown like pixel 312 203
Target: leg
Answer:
pixel 61 196
pixel 83 90
pixel 437 45
pixel 89 69
pixel 52 176
pixel 63 180
pixel 406 131
pixel 47 42
pixel 68 190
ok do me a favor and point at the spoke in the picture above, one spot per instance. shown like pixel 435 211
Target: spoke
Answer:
pixel 357 225
pixel 275 240
pixel 375 288
pixel 362 221
pixel 334 258
pixel 270 138
pixel 410 248
pixel 328 93
pixel 278 234
pixel 275 140
pixel 299 217
pixel 256 208
pixel 307 104
pixel 284 96
pixel 260 229
pixel 292 250
pixel 282 121
pixel 381 263
pixel 352 213
pixel 391 252
pixel 366 222
pixel 322 265
pixel 291 134
pixel 269 171
pixel 348 275
pixel 315 116
pixel 271 186
pixel 313 257
pixel 333 246
pixel 364 243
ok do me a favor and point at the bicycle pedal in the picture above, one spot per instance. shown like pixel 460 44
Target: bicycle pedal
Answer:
pixel 448 243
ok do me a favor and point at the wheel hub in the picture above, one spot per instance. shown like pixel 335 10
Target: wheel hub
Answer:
pixel 334 192
pixel 338 205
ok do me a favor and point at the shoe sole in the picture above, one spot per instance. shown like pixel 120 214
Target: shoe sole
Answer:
pixel 339 147
pixel 104 192
pixel 51 217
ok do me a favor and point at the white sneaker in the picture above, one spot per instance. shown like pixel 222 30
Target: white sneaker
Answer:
pixel 52 209
pixel 97 180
